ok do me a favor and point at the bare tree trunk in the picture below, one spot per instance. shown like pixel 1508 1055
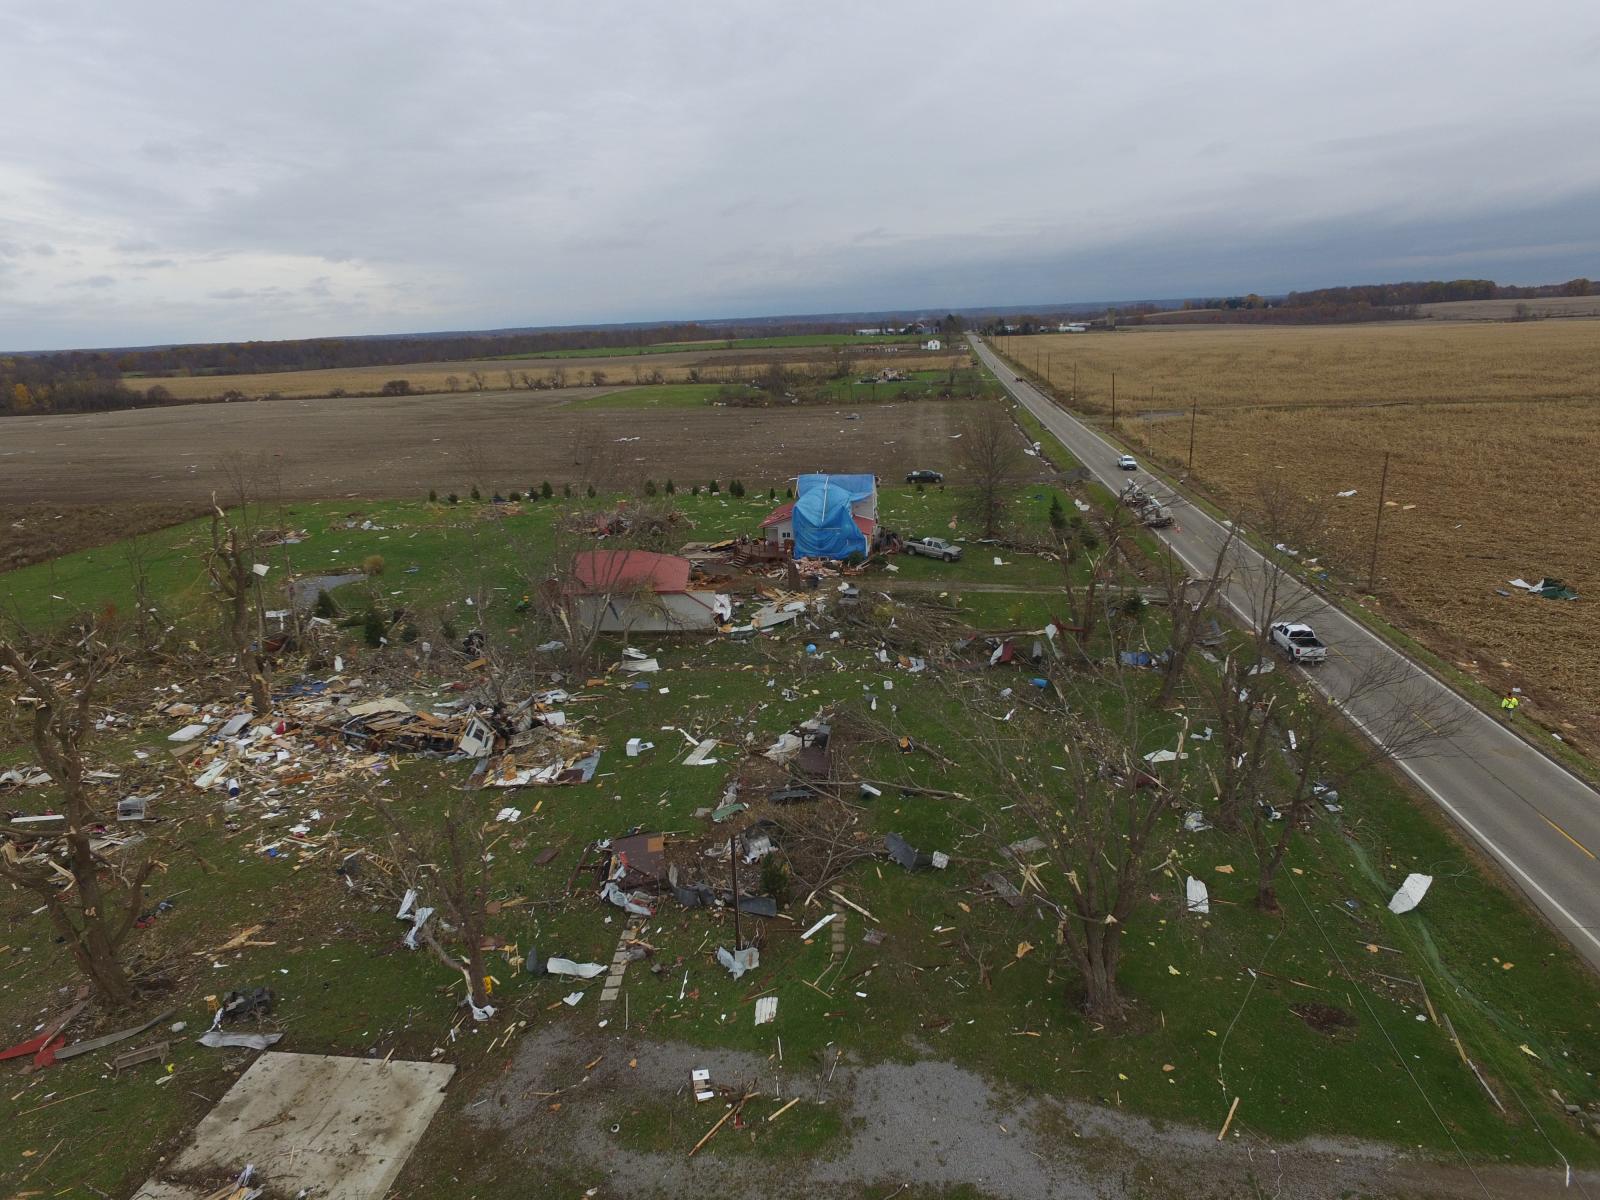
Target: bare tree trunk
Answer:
pixel 990 449
pixel 134 553
pixel 1191 614
pixel 1102 1001
pixel 233 579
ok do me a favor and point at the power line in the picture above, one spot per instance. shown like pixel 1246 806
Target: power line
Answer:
pixel 1400 1058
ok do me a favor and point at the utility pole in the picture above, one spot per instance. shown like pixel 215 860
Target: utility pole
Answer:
pixel 1377 526
pixel 733 862
pixel 1074 381
pixel 1194 411
pixel 1113 400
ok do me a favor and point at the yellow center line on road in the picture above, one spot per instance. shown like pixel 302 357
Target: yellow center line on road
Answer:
pixel 1567 835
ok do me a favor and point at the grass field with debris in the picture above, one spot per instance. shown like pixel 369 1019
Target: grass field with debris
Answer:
pixel 1322 1021
pixel 1489 431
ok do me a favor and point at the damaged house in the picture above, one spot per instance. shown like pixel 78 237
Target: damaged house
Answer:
pixel 621 591
pixel 833 516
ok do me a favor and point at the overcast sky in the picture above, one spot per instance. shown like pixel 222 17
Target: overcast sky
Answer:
pixel 204 171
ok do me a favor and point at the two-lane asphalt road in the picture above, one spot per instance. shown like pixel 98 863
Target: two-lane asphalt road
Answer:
pixel 1539 821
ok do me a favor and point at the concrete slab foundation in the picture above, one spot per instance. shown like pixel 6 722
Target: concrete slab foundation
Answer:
pixel 341 1127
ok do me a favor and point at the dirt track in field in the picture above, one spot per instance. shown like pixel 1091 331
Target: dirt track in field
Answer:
pixel 401 447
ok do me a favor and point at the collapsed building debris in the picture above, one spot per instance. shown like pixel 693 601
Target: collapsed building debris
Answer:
pixel 628 517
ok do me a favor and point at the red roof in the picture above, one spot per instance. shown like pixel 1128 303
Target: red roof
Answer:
pixel 603 571
pixel 782 513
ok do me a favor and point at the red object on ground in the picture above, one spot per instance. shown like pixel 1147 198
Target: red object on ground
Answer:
pixel 47 1053
pixel 602 571
pixel 31 1046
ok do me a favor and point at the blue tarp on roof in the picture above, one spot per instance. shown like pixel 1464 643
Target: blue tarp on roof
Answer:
pixel 824 524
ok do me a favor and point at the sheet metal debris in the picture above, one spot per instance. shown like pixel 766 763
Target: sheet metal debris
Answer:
pixel 1410 893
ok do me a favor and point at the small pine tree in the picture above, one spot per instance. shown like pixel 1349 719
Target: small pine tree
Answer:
pixel 373 628
pixel 1058 515
pixel 672 488
pixel 775 879
pixel 591 491
pixel 325 607
pixel 433 496
pixel 515 497
pixel 649 487
pixel 453 498
pixel 713 489
pixel 477 496
pixel 695 490
pixel 772 493
pixel 736 489
pixel 788 492
pixel 546 490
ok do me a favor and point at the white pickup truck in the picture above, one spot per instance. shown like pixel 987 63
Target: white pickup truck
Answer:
pixel 932 547
pixel 1299 642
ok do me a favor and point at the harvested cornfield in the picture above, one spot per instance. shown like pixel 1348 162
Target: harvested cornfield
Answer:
pixel 497 441
pixel 1411 362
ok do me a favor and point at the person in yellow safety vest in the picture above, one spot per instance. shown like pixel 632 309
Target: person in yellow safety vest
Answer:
pixel 1509 706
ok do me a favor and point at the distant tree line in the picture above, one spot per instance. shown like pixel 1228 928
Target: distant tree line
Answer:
pixel 1372 301
pixel 98 380
pixel 1393 295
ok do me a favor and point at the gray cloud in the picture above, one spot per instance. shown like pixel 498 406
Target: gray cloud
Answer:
pixel 369 167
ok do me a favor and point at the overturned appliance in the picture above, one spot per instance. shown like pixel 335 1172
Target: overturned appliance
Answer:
pixel 633 870
pixel 805 749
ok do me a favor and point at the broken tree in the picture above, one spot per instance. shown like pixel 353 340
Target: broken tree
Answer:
pixel 1097 811
pixel 92 903
pixel 452 876
pixel 234 580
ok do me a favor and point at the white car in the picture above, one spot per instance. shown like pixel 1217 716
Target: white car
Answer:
pixel 1127 464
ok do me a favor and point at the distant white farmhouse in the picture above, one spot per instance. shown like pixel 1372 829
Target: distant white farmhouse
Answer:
pixel 933 344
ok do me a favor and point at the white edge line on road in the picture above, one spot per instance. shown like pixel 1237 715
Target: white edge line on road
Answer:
pixel 1504 858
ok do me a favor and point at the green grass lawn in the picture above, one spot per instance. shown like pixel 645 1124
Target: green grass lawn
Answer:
pixel 435 554
pixel 660 395
pixel 845 392
pixel 1213 996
